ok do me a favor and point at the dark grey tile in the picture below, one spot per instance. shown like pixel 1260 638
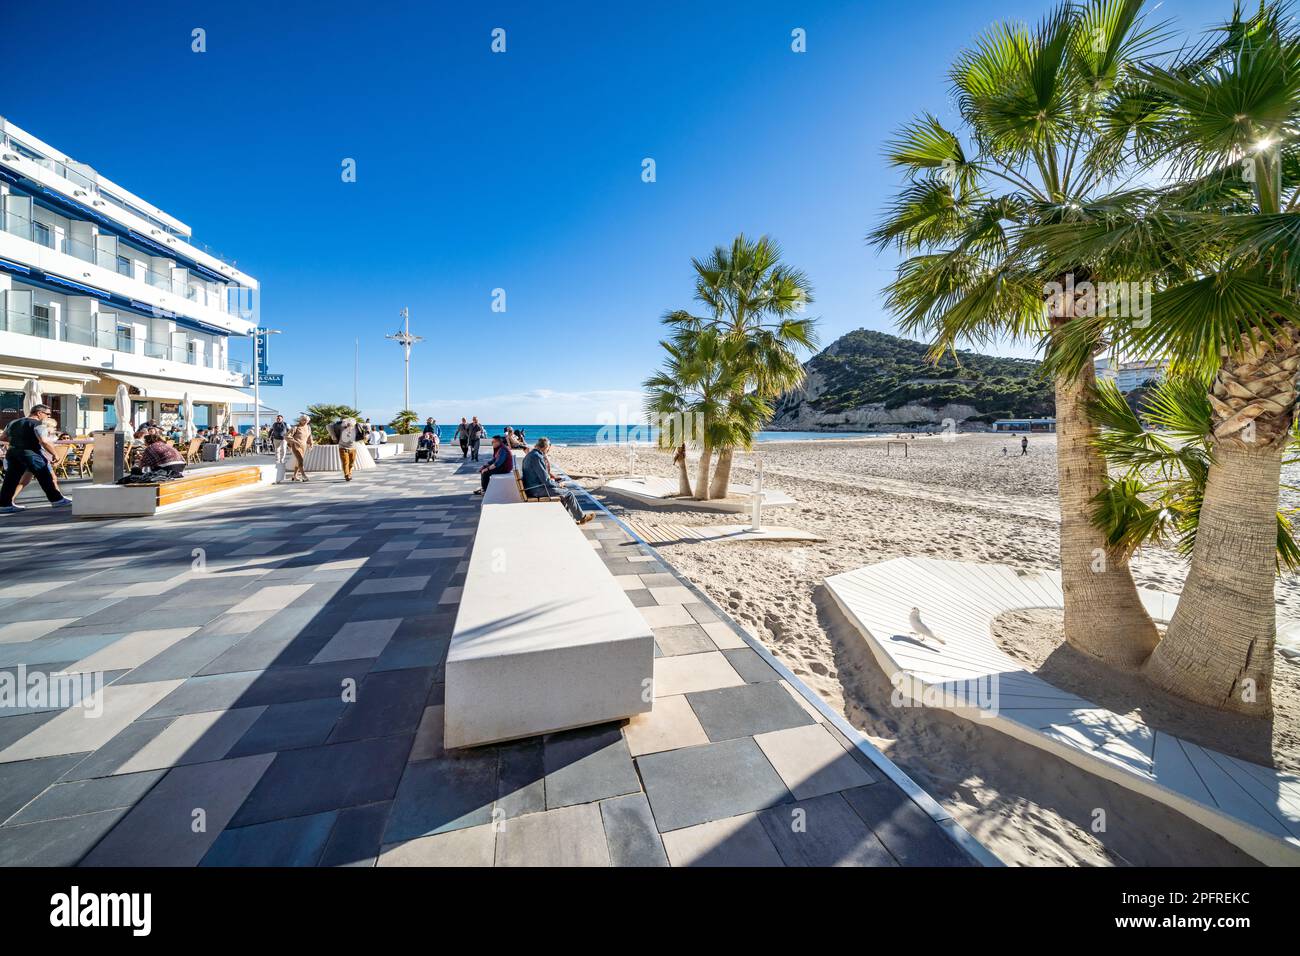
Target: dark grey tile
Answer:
pixel 303 723
pixel 586 765
pixel 297 841
pixel 22 780
pixel 749 665
pixel 186 657
pixel 387 703
pixel 697 784
pixel 331 777
pixel 55 842
pixel 746 710
pixel 683 639
pixel 521 778
pixel 119 750
pixel 445 793
pixel 904 828
pixel 88 796
pixel 16 727
pixel 630 832
pixel 641 597
pixel 823 831
pixel 355 838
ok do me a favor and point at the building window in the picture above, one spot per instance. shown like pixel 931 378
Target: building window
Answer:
pixel 126 338
pixel 41 321
pixel 123 266
pixel 41 233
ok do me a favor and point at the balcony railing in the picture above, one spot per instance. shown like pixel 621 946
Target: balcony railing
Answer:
pixel 37 232
pixel 27 323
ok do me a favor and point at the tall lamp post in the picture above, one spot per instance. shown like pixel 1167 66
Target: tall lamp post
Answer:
pixel 405 339
pixel 257 379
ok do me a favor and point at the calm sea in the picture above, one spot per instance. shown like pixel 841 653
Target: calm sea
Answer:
pixel 603 434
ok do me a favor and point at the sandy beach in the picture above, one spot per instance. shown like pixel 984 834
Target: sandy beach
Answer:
pixel 960 499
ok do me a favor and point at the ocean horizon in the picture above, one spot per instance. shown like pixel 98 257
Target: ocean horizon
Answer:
pixel 625 435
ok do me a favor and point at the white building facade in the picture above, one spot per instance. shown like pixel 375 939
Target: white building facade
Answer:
pixel 98 288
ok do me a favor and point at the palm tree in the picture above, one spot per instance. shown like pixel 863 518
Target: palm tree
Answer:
pixel 753 298
pixel 404 422
pixel 1222 244
pixel 323 414
pixel 1031 103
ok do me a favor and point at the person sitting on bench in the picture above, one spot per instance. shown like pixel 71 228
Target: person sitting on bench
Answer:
pixel 502 463
pixel 158 454
pixel 540 482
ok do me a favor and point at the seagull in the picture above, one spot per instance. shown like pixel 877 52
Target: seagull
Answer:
pixel 919 628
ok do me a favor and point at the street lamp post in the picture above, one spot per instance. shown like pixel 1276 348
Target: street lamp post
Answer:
pixel 405 339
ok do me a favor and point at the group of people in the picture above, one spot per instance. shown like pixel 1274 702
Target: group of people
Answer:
pixel 539 479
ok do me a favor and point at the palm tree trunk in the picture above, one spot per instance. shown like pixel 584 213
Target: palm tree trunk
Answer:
pixel 1219 648
pixel 722 474
pixel 1104 616
pixel 683 473
pixel 702 475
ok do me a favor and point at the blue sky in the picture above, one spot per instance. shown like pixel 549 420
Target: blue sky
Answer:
pixel 518 171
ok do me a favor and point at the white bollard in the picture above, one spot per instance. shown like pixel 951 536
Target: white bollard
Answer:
pixel 756 506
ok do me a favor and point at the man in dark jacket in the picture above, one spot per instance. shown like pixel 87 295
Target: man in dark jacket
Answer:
pixel 27 447
pixel 540 482
pixel 279 434
pixel 502 463
pixel 476 435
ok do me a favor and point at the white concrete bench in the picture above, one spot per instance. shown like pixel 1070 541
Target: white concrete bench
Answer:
pixel 1256 808
pixel 143 500
pixel 544 639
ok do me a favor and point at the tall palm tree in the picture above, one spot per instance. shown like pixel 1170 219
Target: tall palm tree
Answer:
pixel 1031 102
pixel 755 299
pixel 1222 242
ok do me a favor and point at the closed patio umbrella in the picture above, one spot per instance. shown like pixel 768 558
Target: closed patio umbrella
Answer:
pixel 31 394
pixel 123 406
pixel 187 409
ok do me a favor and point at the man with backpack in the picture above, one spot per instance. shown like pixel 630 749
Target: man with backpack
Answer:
pixel 279 435
pixel 28 451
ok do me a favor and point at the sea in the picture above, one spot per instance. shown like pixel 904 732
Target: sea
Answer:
pixel 625 435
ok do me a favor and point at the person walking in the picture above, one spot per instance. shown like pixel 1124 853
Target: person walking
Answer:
pixel 462 436
pixel 476 434
pixel 347 435
pixel 279 435
pixel 299 440
pixel 1024 445
pixel 28 446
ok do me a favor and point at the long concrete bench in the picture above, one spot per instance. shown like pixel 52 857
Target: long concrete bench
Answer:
pixel 121 501
pixel 544 640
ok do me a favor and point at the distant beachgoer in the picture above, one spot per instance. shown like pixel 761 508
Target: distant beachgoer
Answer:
pixel 462 436
pixel 1024 445
pixel 502 463
pixel 540 482
pixel 299 440
pixel 476 435
pixel 1004 451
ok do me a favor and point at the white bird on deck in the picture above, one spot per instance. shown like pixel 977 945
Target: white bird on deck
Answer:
pixel 919 627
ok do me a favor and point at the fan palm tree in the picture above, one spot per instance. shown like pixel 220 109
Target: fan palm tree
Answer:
pixel 755 299
pixel 1031 102
pixel 1221 242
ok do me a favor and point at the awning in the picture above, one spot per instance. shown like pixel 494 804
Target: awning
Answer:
pixel 13 378
pixel 161 388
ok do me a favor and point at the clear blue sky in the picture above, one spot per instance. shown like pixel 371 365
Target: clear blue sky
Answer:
pixel 519 171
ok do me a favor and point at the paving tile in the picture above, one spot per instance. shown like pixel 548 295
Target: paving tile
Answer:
pixel 22 781
pixel 750 666
pixel 302 723
pixel 732 841
pixel 702 613
pixel 823 831
pixel 746 710
pixel 117 751
pixel 693 672
pixel 630 833
pixel 723 636
pixel 55 842
pixel 16 726
pixel 904 828
pixel 586 765
pixel 194 738
pixel 297 841
pixel 189 655
pixel 87 796
pixel 20 631
pixel 445 793
pixel 391 585
pixel 521 778
pixel 682 639
pixel 811 761
pixel 354 841
pixel 270 598
pixel 567 836
pixel 663 580
pixel 657 615
pixel 358 639
pixel 670 725
pixel 330 777
pixel 699 784
pixel 799 699
pixel 77 731
pixel 388 703
pixel 640 597
pixel 161 829
pixel 471 846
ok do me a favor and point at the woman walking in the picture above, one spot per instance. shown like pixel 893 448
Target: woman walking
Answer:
pixel 299 441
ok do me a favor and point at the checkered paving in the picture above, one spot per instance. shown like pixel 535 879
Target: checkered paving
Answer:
pixel 271 694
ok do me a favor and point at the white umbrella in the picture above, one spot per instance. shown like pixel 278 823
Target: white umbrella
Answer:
pixel 187 409
pixel 123 407
pixel 31 394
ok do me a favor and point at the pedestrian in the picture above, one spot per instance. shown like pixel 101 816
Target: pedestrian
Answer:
pixel 28 445
pixel 476 435
pixel 1024 444
pixel 299 440
pixel 502 463
pixel 279 435
pixel 347 434
pixel 462 436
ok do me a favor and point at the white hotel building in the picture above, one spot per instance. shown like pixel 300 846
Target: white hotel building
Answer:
pixel 99 288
